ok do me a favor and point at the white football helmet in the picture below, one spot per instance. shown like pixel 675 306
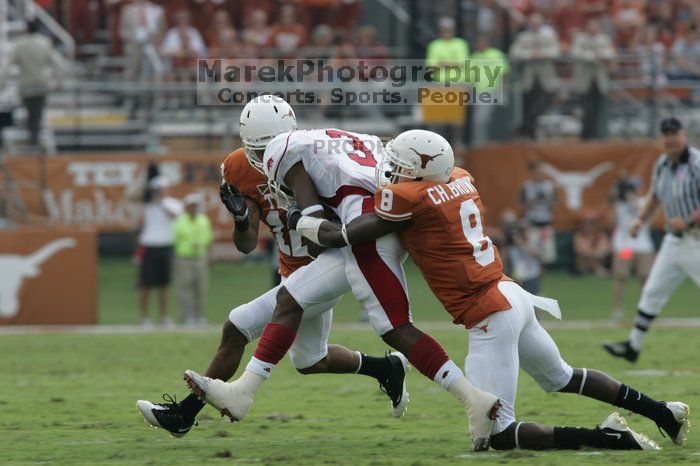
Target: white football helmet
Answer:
pixel 262 119
pixel 416 155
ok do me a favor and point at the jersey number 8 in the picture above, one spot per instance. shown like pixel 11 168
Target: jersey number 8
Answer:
pixel 474 232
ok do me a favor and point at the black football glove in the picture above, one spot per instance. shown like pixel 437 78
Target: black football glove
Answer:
pixel 293 216
pixel 234 201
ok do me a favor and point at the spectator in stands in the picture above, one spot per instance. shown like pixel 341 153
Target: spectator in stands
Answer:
pixel 140 27
pixel 257 31
pixel 535 50
pixel 322 42
pixel 40 67
pixel 591 247
pixel 222 38
pixel 182 45
pixel 156 238
pixel 628 19
pixel 685 55
pixel 193 238
pixel 521 255
pixel 653 57
pixel 369 47
pixel 453 52
pixel 447 50
pixel 287 34
pixel 486 55
pixel 537 202
pixel 628 252
pixel 593 55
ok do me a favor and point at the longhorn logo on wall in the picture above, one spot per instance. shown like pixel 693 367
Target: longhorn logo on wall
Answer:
pixel 575 182
pixel 16 268
pixel 48 276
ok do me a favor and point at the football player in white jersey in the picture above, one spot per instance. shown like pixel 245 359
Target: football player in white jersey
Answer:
pixel 335 169
pixel 241 193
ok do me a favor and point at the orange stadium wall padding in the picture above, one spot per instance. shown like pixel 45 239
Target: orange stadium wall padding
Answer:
pixel 583 172
pixel 92 189
pixel 48 276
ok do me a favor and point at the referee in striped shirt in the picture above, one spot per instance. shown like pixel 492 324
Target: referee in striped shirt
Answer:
pixel 675 186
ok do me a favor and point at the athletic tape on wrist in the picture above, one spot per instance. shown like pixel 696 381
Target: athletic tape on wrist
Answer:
pixel 312 209
pixel 308 227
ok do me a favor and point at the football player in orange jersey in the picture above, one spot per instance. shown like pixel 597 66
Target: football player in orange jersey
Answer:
pixel 437 212
pixel 246 196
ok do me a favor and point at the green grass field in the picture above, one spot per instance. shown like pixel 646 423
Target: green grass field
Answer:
pixel 233 284
pixel 69 398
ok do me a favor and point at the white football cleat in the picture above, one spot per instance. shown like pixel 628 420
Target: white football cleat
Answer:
pixel 481 413
pixel 681 412
pixel 615 426
pixel 229 398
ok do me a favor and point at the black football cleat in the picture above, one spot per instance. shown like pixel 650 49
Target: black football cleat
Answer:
pixel 395 384
pixel 677 424
pixel 619 436
pixel 166 416
pixel 622 350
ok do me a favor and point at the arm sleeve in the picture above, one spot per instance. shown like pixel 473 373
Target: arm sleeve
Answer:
pixel 391 204
pixel 288 150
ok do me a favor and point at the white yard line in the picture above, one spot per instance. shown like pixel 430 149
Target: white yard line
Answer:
pixel 342 326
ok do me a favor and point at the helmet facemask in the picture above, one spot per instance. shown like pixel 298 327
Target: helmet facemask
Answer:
pixel 283 196
pixel 391 169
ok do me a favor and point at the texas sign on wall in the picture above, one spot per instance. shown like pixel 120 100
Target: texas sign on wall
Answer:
pixel 48 276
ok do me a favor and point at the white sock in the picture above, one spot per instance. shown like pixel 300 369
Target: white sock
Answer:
pixel 447 374
pixel 637 338
pixel 251 381
pixel 641 324
pixel 261 368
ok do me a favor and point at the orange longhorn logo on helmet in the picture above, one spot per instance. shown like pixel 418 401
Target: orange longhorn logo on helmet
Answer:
pixel 425 158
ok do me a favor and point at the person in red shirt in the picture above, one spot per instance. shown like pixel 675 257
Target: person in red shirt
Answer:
pixel 438 214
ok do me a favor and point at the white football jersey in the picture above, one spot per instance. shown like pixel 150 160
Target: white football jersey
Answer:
pixel 340 164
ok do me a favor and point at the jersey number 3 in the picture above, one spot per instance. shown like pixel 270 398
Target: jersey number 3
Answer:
pixel 474 232
pixel 360 154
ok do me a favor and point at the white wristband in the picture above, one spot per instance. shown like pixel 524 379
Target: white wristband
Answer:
pixel 312 209
pixel 308 227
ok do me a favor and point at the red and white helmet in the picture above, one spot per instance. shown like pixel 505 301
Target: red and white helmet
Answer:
pixel 262 119
pixel 416 154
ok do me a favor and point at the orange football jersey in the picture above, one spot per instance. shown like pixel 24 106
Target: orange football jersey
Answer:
pixel 448 244
pixel 291 246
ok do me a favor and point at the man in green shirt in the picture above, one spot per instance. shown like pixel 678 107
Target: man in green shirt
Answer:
pixel 193 237
pixel 448 50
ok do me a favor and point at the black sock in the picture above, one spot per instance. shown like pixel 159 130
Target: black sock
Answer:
pixel 573 438
pixel 379 368
pixel 637 402
pixel 191 406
